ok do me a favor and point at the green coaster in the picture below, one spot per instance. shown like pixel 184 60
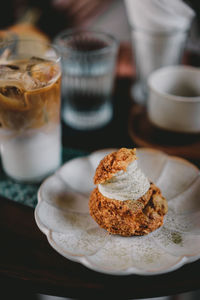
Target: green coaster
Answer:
pixel 26 193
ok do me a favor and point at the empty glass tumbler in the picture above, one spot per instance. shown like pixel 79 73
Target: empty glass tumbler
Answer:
pixel 153 50
pixel 88 64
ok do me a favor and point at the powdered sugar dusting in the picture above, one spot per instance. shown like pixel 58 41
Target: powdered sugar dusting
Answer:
pixel 74 234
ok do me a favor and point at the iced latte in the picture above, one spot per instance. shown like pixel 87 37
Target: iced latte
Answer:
pixel 30 115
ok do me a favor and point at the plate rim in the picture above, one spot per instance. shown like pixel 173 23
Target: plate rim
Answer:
pixel 183 259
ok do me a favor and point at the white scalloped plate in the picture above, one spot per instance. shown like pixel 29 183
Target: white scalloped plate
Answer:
pixel 62 214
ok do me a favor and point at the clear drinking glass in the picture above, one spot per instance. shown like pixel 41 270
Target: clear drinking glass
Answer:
pixel 153 50
pixel 88 64
pixel 30 78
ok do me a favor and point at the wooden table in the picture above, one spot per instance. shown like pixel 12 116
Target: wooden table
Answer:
pixel 28 264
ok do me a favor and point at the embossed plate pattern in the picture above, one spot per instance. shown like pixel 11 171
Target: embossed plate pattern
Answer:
pixel 62 214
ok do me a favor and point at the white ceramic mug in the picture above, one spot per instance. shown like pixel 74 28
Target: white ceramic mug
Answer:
pixel 174 98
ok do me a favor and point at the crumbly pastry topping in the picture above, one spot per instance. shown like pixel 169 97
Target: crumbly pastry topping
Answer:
pixel 113 163
pixel 129 217
pixel 125 202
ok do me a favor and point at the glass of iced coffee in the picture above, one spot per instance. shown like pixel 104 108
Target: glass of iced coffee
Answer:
pixel 30 137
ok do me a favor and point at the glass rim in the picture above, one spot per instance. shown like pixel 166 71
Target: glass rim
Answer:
pixel 66 34
pixel 170 96
pixel 8 42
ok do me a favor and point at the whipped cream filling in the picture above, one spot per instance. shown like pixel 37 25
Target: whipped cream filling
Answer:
pixel 129 185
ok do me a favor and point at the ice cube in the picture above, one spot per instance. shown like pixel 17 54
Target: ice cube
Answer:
pixel 42 70
pixel 13 74
pixel 12 92
pixel 30 74
pixel 12 96
pixel 29 82
pixel 8 68
pixel 10 74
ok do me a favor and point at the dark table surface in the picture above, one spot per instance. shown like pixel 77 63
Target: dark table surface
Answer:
pixel 28 263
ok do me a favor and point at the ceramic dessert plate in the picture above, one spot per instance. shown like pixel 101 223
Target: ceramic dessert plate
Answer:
pixel 62 214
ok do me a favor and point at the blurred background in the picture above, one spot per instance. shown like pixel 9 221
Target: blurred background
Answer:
pixel 48 17
pixel 52 16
